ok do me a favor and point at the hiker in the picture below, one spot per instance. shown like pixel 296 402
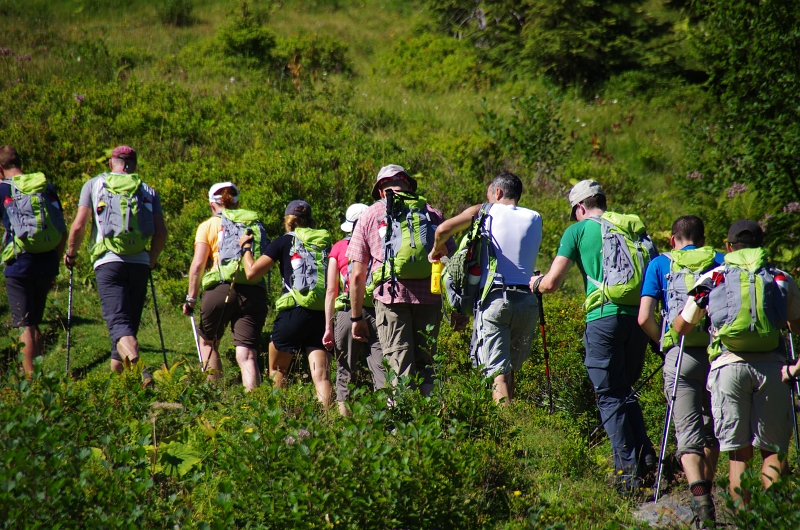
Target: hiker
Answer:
pixel 404 304
pixel 506 309
pixel 246 311
pixel 668 280
pixel 302 255
pixel 748 302
pixel 34 238
pixel 615 343
pixel 125 214
pixel 337 336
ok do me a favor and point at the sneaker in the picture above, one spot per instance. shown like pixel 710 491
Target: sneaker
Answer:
pixel 649 462
pixel 704 511
pixel 147 378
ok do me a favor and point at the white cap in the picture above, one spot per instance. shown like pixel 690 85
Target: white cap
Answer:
pixel 352 215
pixel 212 192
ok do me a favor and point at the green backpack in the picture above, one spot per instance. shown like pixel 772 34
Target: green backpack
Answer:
pixel 748 306
pixel 124 212
pixel 686 267
pixel 309 262
pixel 462 272
pixel 407 235
pixel 236 222
pixel 627 249
pixel 35 217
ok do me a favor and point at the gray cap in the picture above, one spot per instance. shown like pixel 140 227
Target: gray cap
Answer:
pixel 746 231
pixel 582 191
pixel 392 172
pixel 298 207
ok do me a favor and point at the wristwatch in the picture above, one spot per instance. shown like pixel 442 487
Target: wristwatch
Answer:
pixel 191 300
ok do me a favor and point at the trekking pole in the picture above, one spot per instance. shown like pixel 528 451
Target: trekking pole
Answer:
pixel 544 349
pixel 196 340
pixel 668 419
pixel 793 392
pixel 69 321
pixel 158 320
pixel 222 315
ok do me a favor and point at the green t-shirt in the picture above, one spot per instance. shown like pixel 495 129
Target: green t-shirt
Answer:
pixel 582 244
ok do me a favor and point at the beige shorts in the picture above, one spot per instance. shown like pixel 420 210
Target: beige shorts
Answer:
pixel 751 406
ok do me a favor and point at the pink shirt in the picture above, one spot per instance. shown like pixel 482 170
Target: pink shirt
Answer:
pixel 366 243
pixel 338 252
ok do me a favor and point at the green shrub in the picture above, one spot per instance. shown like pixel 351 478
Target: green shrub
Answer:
pixel 244 36
pixel 175 12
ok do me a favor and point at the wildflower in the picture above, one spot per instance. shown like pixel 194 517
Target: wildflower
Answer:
pixel 233 80
pixel 27 57
pixel 792 207
pixel 736 189
pixel 303 433
pixel 80 98
pixel 6 51
pixel 517 493
pixel 290 440
pixel 696 175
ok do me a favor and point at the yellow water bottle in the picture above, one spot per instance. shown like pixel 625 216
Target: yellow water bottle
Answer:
pixel 436 277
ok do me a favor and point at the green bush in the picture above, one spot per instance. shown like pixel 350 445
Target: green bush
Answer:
pixel 244 36
pixel 175 12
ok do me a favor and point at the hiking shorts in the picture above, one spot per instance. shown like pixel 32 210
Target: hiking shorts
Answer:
pixel 27 298
pixel 503 331
pixel 123 289
pixel 298 328
pixel 246 313
pixel 694 428
pixel 751 406
pixel 400 327
pixel 349 352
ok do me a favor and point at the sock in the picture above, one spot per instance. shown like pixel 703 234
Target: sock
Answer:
pixel 701 487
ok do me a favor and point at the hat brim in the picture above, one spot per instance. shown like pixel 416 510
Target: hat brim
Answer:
pixel 347 226
pixel 376 194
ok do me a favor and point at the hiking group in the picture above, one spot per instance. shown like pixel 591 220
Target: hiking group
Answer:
pixel 376 297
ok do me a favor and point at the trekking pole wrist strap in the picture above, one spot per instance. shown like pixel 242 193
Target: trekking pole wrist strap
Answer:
pixel 359 318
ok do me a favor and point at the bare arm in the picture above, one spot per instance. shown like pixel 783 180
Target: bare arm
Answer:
pixel 331 292
pixel 159 240
pixel 358 287
pixel 76 233
pixel 199 260
pixel 450 227
pixel 552 281
pixel 647 319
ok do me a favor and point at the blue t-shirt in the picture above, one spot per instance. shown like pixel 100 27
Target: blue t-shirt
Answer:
pixel 654 284
pixel 28 265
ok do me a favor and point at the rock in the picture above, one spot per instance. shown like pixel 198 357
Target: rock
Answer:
pixel 670 512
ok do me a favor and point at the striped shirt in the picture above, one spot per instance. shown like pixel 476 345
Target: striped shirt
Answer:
pixel 367 243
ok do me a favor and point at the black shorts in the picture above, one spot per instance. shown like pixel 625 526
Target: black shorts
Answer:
pixel 246 313
pixel 298 328
pixel 123 289
pixel 27 298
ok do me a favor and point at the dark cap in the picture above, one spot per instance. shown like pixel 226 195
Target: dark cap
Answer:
pixel 124 152
pixel 746 231
pixel 298 207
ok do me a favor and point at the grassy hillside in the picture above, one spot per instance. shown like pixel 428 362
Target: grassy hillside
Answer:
pixel 308 99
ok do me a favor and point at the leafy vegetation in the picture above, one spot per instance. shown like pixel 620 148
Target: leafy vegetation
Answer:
pixel 307 99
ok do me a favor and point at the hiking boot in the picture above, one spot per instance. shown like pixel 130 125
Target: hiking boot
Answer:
pixel 703 510
pixel 147 378
pixel 650 463
pixel 627 483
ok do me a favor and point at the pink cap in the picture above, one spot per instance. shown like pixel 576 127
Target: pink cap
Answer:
pixel 123 151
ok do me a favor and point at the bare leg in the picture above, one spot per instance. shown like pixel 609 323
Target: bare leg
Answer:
pixel 248 364
pixel 278 365
pixel 694 467
pixel 503 388
pixel 214 364
pixel 344 410
pixel 320 363
pixel 128 348
pixel 31 347
pixel 739 461
pixel 710 463
pixel 772 468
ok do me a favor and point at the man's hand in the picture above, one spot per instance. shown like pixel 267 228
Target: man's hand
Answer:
pixel 789 376
pixel 188 308
pixel 437 253
pixel 534 283
pixel 153 259
pixel 360 330
pixel 246 238
pixel 458 321
pixel 327 339
pixel 70 261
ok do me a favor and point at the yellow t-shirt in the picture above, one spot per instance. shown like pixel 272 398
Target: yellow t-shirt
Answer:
pixel 208 233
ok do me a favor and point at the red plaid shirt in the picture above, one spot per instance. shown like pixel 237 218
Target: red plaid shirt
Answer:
pixel 366 243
